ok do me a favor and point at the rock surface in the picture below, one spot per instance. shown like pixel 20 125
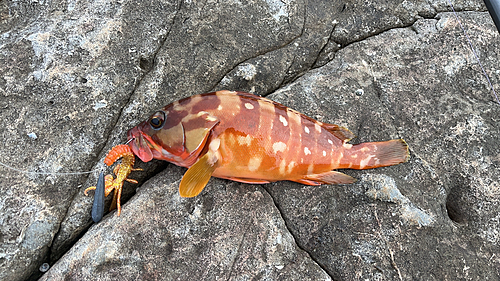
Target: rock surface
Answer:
pixel 74 76
pixel 168 237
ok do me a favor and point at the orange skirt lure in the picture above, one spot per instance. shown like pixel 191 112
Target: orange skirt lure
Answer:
pixel 117 152
pixel 122 171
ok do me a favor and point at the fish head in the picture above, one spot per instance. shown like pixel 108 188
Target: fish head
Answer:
pixel 175 136
pixel 157 138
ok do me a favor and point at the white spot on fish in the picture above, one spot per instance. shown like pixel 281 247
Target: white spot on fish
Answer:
pixel 219 107
pixel 245 140
pixel 365 161
pixel 282 167
pixel 279 146
pixel 347 145
pixel 364 149
pixel 210 118
pixel 307 151
pixel 310 169
pixel 254 163
pixel 291 166
pixel 317 126
pixel 306 130
pixel 283 120
pixel 330 141
pixel 324 153
pixel 248 105
pixel 214 144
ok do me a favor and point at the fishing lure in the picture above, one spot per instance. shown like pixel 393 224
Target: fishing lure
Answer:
pixel 250 139
pixel 122 171
pixel 98 204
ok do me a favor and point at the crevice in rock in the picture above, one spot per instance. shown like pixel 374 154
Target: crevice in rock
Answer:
pixel 316 60
pixel 378 89
pixel 332 275
pixel 286 77
pixel 37 273
pixel 264 52
pixel 342 46
pixel 290 79
pixel 147 65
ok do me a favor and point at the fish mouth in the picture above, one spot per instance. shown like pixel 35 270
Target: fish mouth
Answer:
pixel 140 144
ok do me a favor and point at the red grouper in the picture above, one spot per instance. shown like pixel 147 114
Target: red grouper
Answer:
pixel 247 138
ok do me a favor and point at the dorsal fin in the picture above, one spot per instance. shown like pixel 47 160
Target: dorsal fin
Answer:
pixel 249 95
pixel 340 132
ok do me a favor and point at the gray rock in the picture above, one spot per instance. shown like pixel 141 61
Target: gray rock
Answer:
pixel 194 55
pixel 233 231
pixel 78 75
pixel 436 217
pixel 67 70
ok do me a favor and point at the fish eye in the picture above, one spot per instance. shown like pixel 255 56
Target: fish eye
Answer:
pixel 157 120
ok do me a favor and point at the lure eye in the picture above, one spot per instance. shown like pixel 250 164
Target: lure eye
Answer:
pixel 157 120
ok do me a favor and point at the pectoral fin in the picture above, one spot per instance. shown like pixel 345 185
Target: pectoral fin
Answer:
pixel 331 177
pixel 197 176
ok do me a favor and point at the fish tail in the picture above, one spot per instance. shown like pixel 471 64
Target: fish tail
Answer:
pixel 371 155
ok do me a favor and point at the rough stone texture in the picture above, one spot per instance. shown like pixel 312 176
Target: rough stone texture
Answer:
pixel 79 74
pixel 233 232
pixel 436 217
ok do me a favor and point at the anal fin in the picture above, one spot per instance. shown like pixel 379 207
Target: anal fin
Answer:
pixel 330 177
pixel 197 176
pixel 307 182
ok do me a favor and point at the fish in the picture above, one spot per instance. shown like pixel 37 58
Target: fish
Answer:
pixel 250 139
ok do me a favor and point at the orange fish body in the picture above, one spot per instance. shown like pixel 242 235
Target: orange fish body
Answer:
pixel 250 139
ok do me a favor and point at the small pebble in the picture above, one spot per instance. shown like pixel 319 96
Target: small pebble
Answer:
pixel 32 136
pixel 44 267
